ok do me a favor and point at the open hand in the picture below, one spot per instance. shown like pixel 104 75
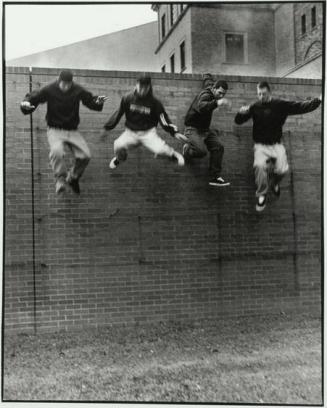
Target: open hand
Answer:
pixel 101 99
pixel 245 109
pixel 181 137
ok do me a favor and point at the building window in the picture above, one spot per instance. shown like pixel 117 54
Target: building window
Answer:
pixel 303 24
pixel 163 68
pixel 182 55
pixel 172 63
pixel 313 17
pixel 171 15
pixel 163 26
pixel 234 48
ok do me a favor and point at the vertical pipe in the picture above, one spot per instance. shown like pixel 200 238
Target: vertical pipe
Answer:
pixel 33 206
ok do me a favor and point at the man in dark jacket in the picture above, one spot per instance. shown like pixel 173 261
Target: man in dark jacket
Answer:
pixel 63 99
pixel 200 138
pixel 269 115
pixel 142 112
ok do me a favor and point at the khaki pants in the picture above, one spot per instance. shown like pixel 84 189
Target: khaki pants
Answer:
pixel 147 138
pixel 58 139
pixel 268 158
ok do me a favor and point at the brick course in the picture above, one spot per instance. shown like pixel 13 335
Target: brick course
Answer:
pixel 151 241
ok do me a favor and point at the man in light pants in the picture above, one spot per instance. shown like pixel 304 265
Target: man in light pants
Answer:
pixel 63 99
pixel 142 112
pixel 269 115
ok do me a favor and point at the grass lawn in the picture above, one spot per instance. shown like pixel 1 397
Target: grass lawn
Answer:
pixel 274 359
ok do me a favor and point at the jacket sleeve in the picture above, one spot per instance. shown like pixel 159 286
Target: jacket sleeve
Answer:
pixel 116 116
pixel 297 108
pixel 206 102
pixel 34 98
pixel 243 117
pixel 89 101
pixel 165 121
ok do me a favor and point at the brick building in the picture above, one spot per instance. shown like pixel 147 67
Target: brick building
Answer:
pixel 241 39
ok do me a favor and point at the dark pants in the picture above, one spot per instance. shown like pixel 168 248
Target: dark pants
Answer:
pixel 199 142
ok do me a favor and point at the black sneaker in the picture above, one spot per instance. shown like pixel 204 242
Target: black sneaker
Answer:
pixel 74 184
pixel 276 190
pixel 219 182
pixel 261 203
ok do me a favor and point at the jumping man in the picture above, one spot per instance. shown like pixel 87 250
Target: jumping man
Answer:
pixel 63 98
pixel 142 112
pixel 269 115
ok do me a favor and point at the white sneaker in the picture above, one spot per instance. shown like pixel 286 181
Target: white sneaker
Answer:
pixel 60 186
pixel 179 158
pixel 261 203
pixel 114 163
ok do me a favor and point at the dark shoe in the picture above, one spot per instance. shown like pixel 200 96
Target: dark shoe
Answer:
pixel 114 163
pixel 276 190
pixel 74 184
pixel 219 182
pixel 261 203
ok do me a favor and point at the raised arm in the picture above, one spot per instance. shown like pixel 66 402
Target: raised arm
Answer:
pixel 206 102
pixel 92 102
pixel 297 108
pixel 32 100
pixel 165 121
pixel 243 115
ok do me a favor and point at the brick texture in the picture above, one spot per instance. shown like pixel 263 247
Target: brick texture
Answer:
pixel 151 241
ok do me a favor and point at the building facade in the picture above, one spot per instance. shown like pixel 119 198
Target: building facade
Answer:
pixel 272 39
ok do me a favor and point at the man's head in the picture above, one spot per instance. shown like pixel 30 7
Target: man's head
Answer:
pixel 263 92
pixel 219 89
pixel 65 80
pixel 143 86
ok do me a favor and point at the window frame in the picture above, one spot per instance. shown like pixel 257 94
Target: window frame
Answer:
pixel 245 47
pixel 172 55
pixel 163 26
pixel 303 24
pixel 183 68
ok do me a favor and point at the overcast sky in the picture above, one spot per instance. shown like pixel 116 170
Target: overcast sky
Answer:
pixel 33 28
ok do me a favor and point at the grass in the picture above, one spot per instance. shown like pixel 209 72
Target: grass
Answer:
pixel 276 360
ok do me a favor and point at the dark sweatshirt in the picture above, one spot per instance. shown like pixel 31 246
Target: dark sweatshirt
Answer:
pixel 200 112
pixel 63 107
pixel 269 118
pixel 141 114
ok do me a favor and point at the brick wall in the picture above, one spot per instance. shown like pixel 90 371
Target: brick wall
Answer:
pixel 150 241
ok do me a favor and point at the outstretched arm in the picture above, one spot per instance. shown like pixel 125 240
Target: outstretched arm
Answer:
pixel 165 121
pixel 92 102
pixel 115 117
pixel 297 108
pixel 243 115
pixel 32 100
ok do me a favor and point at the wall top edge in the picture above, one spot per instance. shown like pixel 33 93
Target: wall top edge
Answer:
pixel 159 75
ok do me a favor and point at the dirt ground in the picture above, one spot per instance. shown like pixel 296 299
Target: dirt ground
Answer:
pixel 276 360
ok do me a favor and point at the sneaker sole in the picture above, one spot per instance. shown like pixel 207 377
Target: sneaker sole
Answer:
pixel 219 185
pixel 260 208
